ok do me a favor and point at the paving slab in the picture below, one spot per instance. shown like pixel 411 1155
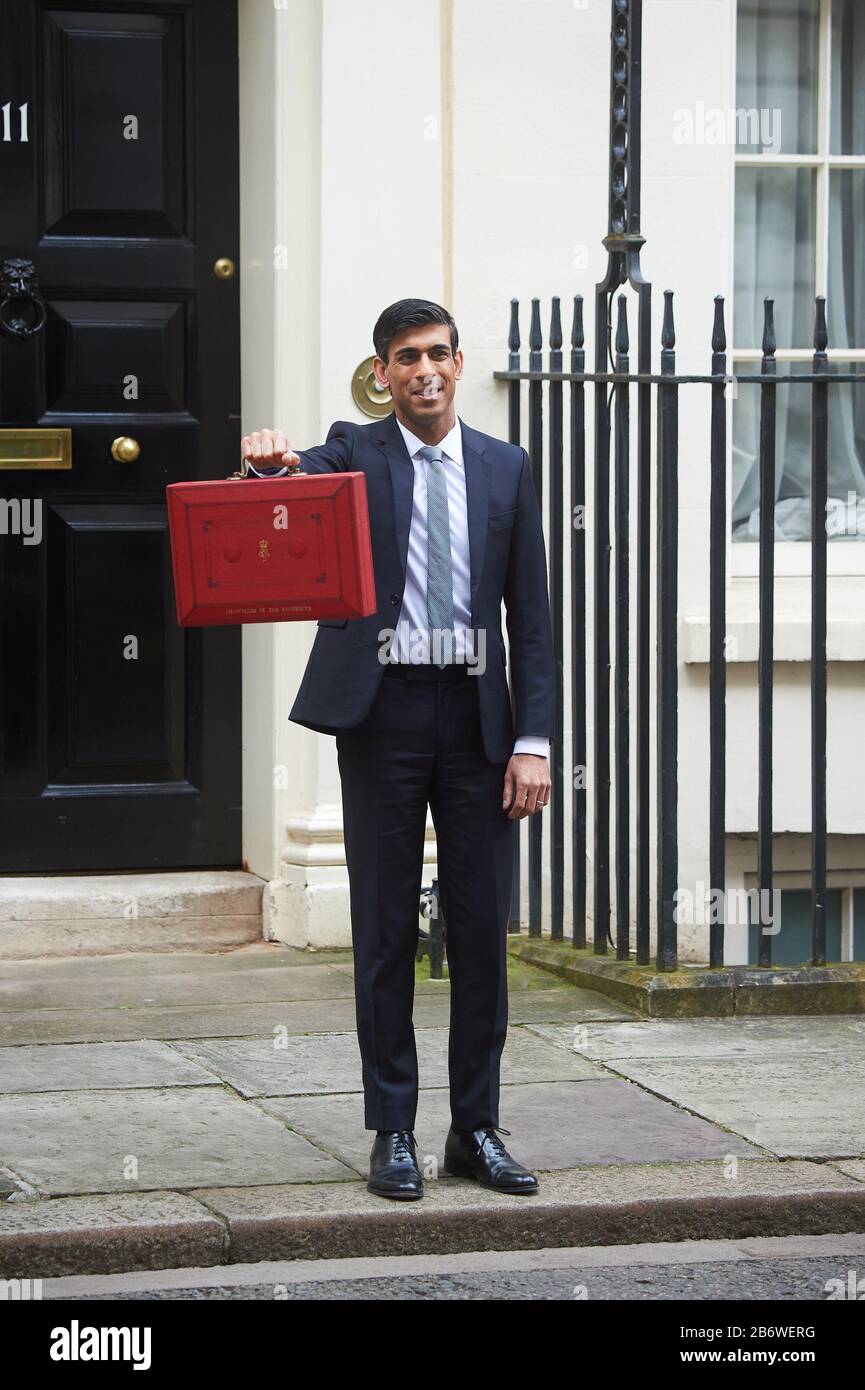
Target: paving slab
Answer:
pixel 252 955
pixel 709 1037
pixel 8 1186
pixel 330 1062
pixel 805 1105
pixel 553 1125
pixel 105 1234
pixel 218 1020
pixel 523 980
pixel 570 1005
pixel 589 1206
pixel 195 1021
pixel 67 1143
pixel 246 986
pixel 336 1125
pixel 852 1167
pixel 98 1066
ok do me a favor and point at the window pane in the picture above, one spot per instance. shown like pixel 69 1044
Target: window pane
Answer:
pixel 775 254
pixel 776 71
pixel 847 122
pixel 845 511
pixel 845 300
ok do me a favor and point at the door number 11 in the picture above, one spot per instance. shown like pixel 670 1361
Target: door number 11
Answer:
pixel 7 122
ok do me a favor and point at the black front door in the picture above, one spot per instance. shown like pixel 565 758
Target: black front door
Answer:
pixel 119 732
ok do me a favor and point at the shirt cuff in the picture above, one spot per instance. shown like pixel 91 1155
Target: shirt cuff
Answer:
pixel 528 743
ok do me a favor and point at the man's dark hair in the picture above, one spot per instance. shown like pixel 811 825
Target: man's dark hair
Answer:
pixel 410 313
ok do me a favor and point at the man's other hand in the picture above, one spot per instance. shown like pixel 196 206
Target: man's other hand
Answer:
pixel 527 785
pixel 268 449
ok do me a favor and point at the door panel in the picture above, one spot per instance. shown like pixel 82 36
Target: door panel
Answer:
pixel 110 713
pixel 85 338
pixel 115 166
pixel 119 731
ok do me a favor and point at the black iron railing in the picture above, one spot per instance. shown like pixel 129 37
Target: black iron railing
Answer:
pixel 612 716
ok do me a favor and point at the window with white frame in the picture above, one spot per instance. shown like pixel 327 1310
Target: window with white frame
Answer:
pixel 800 232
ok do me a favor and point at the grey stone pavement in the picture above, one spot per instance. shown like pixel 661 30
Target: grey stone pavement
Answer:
pixel 199 1109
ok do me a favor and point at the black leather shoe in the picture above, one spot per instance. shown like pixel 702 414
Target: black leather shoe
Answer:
pixel 482 1155
pixel 393 1170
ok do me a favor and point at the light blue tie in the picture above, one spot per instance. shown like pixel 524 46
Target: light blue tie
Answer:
pixel 440 577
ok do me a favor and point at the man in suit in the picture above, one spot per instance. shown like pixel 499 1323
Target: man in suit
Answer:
pixel 417 697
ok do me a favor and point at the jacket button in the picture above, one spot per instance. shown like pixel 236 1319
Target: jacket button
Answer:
pixel 394 598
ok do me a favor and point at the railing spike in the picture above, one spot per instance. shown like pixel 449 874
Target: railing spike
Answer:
pixel 577 336
pixel 719 333
pixel 821 333
pixel 556 324
pixel 668 329
pixel 536 340
pixel 514 330
pixel 769 341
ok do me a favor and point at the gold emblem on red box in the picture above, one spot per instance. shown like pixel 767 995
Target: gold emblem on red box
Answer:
pixel 263 550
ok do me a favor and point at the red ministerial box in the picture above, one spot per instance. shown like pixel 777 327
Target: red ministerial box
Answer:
pixel 271 550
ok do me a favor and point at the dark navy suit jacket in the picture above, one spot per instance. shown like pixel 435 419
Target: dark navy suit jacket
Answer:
pixel 508 561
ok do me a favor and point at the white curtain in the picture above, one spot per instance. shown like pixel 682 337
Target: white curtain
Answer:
pixel 775 257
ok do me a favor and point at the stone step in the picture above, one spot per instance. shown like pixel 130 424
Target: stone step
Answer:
pixel 103 914
pixel 608 1205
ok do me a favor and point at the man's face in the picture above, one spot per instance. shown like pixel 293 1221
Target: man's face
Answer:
pixel 422 373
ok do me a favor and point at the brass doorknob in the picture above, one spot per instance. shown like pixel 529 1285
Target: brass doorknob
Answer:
pixel 125 450
pixel 223 269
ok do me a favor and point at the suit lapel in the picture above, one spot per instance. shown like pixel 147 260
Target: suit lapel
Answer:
pixel 402 481
pixel 477 474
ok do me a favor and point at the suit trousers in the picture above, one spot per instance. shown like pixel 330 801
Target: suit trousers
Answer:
pixel 421 745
